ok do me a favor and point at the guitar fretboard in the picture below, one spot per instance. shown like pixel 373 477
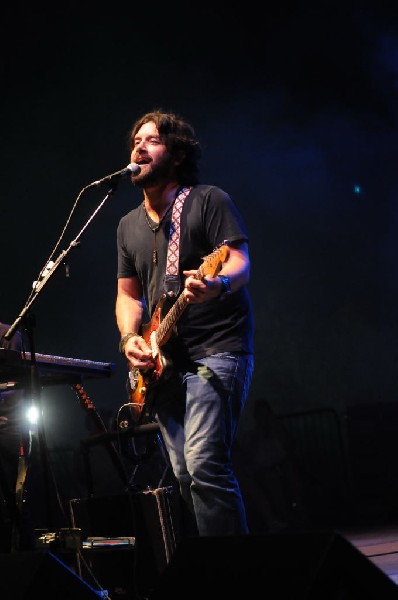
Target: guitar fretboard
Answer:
pixel 210 266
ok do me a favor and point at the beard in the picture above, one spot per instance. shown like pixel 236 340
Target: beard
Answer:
pixel 160 172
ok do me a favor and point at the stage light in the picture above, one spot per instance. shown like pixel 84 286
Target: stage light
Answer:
pixel 32 415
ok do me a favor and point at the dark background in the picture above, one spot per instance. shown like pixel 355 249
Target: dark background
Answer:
pixel 296 109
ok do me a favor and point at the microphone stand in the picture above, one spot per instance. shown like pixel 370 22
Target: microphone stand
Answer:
pixel 50 271
pixel 34 381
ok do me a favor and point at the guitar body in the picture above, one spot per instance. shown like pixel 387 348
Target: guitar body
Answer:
pixel 139 380
pixel 156 333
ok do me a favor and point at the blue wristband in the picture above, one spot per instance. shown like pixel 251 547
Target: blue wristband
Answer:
pixel 225 285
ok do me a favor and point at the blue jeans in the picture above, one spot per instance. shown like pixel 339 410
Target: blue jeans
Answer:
pixel 198 419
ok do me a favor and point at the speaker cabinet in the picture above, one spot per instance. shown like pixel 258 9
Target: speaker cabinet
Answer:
pixel 310 566
pixel 40 574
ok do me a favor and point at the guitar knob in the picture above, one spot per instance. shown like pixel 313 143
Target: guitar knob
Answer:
pixel 142 390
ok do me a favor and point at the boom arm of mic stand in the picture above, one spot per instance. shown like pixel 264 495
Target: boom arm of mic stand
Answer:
pixel 39 286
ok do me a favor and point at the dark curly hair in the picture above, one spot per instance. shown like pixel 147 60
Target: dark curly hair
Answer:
pixel 180 140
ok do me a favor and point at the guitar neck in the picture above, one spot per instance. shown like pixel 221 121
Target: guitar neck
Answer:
pixel 166 326
pixel 210 266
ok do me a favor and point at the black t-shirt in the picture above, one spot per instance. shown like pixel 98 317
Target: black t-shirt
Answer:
pixel 208 219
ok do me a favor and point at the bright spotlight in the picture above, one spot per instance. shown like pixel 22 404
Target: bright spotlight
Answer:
pixel 32 415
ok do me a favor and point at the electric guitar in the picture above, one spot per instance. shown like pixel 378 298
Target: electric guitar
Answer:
pixel 157 332
pixel 88 405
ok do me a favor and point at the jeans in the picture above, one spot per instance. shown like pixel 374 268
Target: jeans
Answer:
pixel 198 418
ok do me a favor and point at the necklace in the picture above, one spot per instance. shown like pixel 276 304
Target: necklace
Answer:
pixel 154 227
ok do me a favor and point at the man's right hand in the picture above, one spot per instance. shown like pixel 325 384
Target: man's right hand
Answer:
pixel 138 353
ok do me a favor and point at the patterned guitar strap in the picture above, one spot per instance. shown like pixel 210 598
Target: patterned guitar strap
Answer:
pixel 172 280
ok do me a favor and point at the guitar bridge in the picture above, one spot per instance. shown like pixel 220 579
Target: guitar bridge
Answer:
pixel 133 378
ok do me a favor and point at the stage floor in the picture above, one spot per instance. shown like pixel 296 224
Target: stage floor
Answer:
pixel 379 545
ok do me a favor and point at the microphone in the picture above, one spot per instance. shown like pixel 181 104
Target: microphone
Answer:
pixel 131 169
